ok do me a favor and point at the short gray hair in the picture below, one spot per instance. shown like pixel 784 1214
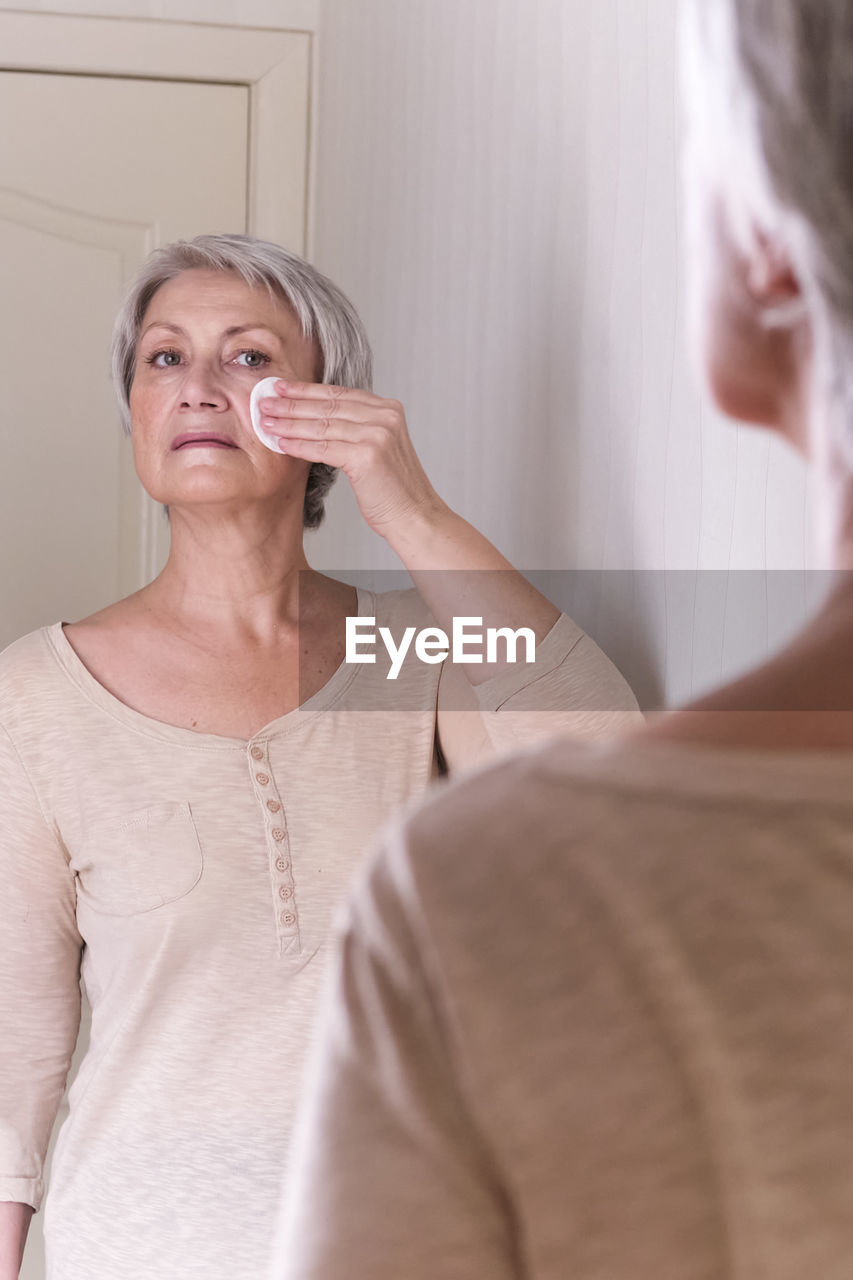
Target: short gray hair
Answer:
pixel 323 311
pixel 771 87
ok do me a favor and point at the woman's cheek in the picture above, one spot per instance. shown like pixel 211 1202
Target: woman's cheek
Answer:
pixel 150 392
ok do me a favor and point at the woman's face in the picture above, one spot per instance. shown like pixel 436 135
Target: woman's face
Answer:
pixel 206 338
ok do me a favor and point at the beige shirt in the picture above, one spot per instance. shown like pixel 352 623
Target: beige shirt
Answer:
pixel 192 878
pixel 592 1018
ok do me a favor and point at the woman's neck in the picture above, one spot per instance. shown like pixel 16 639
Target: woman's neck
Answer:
pixel 238 577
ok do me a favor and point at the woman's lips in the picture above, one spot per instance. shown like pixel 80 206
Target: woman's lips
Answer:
pixel 195 440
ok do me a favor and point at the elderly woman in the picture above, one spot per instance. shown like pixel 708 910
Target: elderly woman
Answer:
pixel 190 775
pixel 635 1060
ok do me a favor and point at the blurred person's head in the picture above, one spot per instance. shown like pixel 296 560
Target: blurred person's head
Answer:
pixel 768 170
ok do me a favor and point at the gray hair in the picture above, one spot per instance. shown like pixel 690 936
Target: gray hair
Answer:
pixel 775 116
pixel 323 311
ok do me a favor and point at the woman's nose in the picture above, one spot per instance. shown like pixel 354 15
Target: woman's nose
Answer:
pixel 203 390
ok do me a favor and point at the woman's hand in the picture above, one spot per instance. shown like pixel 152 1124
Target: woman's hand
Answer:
pixel 362 434
pixel 367 438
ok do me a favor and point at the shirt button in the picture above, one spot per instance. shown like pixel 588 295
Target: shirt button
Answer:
pixel 285 892
pixel 278 833
pixel 273 806
pixel 287 917
pixel 257 753
pixel 281 864
pixel 263 778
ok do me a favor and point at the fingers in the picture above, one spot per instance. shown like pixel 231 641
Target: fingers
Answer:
pixel 335 453
pixel 324 428
pixel 324 391
pixel 282 409
pixel 338 401
pixel 343 417
pixel 325 423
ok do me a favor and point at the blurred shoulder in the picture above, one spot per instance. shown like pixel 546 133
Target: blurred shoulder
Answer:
pixel 642 809
pixel 496 824
pixel 529 795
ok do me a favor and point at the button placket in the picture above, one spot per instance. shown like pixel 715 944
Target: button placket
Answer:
pixel 283 888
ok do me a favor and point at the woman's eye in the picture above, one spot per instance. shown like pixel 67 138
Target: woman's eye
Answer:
pixel 253 359
pixel 164 359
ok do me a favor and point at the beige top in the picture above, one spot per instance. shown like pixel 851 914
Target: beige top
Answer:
pixel 195 876
pixel 593 1019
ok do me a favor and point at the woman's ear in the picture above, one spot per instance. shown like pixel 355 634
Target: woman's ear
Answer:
pixel 752 324
pixel 772 283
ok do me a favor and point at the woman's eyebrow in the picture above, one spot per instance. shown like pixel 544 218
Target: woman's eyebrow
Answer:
pixel 246 328
pixel 231 332
pixel 161 324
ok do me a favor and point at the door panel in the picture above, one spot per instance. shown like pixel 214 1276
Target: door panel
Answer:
pixel 94 172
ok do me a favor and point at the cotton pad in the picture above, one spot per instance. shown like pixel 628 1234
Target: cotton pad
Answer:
pixel 261 390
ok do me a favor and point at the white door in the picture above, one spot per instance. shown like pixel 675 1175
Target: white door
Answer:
pixel 94 172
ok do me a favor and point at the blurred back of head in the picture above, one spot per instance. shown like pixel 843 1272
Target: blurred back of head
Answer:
pixel 768 86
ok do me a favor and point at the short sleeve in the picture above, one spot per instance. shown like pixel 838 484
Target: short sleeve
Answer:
pixel 40 949
pixel 389 1176
pixel 571 689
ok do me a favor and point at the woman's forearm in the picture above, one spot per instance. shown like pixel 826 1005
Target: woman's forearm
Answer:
pixel 14 1225
pixel 459 573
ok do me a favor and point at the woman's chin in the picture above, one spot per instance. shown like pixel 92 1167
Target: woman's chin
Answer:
pixel 214 492
pixel 211 478
pixel 201 491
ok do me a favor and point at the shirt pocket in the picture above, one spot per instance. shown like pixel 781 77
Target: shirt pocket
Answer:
pixel 141 862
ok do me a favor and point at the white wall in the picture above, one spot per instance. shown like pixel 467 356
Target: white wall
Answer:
pixel 495 185
pixel 497 189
